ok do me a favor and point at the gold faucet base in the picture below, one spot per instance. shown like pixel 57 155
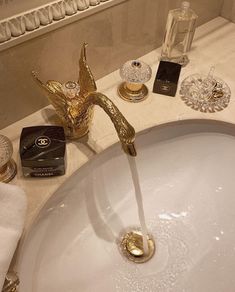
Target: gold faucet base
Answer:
pixel 8 171
pixel 132 95
pixel 132 247
pixel 76 113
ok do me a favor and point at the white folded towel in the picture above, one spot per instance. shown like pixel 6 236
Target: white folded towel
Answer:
pixel 12 215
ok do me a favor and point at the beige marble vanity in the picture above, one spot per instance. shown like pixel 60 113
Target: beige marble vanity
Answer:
pixel 214 45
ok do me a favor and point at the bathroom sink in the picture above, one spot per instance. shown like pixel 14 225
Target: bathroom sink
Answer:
pixel 186 172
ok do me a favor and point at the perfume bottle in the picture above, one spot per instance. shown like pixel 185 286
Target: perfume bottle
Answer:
pixel 179 34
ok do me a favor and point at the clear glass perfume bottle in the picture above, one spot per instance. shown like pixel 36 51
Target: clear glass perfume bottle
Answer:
pixel 179 34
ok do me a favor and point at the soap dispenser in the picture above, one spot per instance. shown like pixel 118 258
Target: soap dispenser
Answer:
pixel 179 34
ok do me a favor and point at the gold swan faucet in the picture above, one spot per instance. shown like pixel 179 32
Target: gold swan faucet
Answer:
pixel 76 112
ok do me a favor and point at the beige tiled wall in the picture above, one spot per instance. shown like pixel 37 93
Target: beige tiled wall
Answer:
pixel 228 10
pixel 125 31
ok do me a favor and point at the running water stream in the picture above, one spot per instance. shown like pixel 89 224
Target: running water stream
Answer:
pixel 139 200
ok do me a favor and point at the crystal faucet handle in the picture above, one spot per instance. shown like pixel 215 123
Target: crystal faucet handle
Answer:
pixel 135 71
pixel 7 164
pixel 134 74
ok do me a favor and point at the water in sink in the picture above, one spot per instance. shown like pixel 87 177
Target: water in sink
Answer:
pixel 186 174
pixel 139 200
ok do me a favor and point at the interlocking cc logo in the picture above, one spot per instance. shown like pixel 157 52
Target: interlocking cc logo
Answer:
pixel 165 87
pixel 43 141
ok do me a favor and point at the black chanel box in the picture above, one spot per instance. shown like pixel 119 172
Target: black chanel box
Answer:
pixel 42 151
pixel 167 78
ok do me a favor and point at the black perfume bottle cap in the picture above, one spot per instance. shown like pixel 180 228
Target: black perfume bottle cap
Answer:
pixel 167 78
pixel 42 151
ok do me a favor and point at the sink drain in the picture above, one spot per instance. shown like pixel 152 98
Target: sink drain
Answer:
pixel 132 247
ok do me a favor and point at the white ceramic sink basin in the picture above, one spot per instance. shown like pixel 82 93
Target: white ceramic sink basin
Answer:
pixel 188 181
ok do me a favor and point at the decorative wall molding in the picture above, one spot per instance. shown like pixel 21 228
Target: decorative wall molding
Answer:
pixel 35 22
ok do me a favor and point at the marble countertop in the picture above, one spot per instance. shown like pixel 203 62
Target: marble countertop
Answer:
pixel 214 45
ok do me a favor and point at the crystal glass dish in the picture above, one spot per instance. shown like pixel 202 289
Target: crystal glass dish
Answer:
pixel 135 71
pixel 7 164
pixel 205 93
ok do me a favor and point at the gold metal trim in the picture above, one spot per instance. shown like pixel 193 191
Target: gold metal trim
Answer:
pixel 132 247
pixel 134 86
pixel 76 113
pixel 132 92
pixel 11 282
